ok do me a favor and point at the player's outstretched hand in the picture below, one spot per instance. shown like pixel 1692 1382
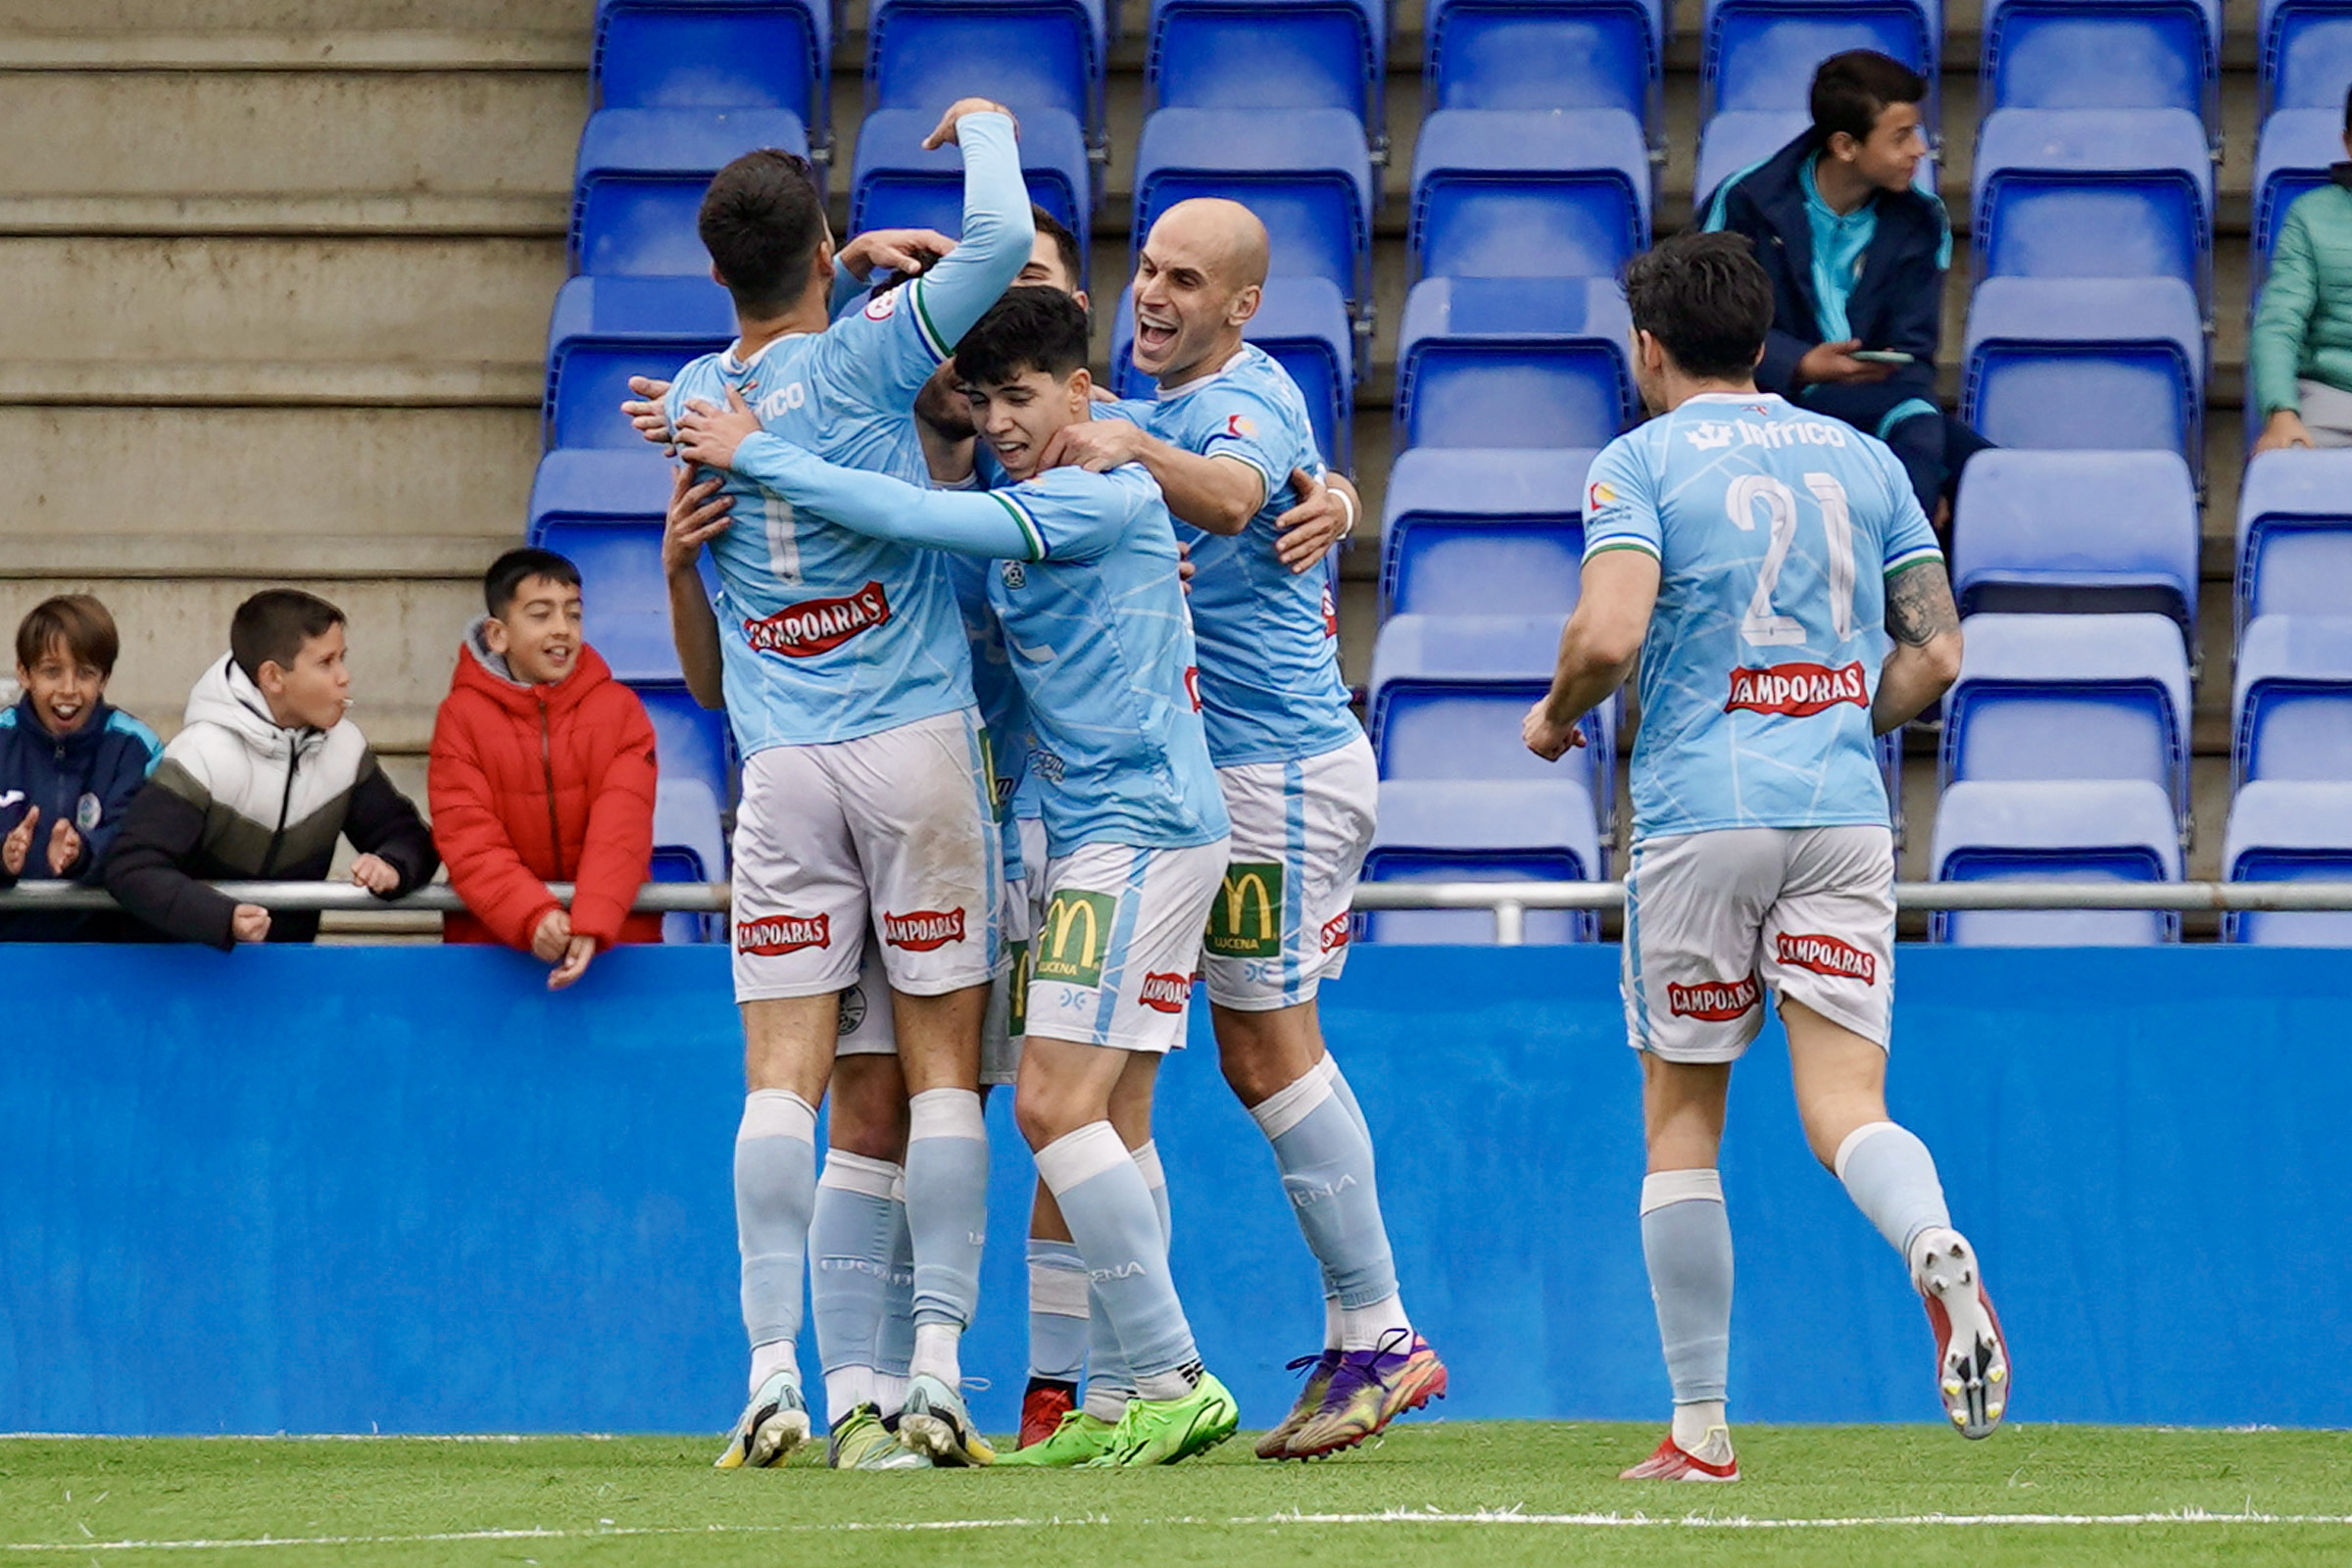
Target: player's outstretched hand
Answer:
pixel 1304 534
pixel 1835 363
pixel 375 873
pixel 1184 565
pixel 698 515
pixel 945 135
pixel 710 435
pixel 1547 738
pixel 65 847
pixel 249 922
pixel 645 412
pixel 1098 446
pixel 893 250
pixel 16 848
pixel 576 954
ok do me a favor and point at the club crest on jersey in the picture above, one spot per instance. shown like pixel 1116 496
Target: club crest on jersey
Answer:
pixel 1797 691
pixel 1013 575
pixel 851 1014
pixel 819 625
pixel 922 930
pixel 1166 992
pixel 1714 1000
pixel 774 935
pixel 1826 954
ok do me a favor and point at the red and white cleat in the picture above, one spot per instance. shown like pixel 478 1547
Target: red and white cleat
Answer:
pixel 1972 1359
pixel 1672 1462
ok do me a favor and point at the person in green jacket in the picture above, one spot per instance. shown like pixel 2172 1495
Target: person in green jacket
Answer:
pixel 2301 350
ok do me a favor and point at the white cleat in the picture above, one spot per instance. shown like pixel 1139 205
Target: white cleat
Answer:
pixel 770 1428
pixel 1972 1359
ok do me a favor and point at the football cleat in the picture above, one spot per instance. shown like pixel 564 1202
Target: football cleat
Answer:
pixel 934 1422
pixel 1369 1389
pixel 770 1428
pixel 1079 1438
pixel 861 1441
pixel 1972 1359
pixel 1276 1445
pixel 1168 1431
pixel 1043 1409
pixel 1673 1463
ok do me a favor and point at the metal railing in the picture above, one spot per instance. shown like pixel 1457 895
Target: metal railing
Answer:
pixel 1508 901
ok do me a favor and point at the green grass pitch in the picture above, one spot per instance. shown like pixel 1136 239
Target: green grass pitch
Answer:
pixel 1489 1494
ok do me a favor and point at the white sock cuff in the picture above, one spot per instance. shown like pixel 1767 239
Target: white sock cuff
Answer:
pixel 1080 1157
pixel 946 1113
pixel 1147 1160
pixel 777 1113
pixel 1294 1102
pixel 1661 1188
pixel 846 1172
pixel 1855 1140
pixel 898 1186
pixel 1057 1289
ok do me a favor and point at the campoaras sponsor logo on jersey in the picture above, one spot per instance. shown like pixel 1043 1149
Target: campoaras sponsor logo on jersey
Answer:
pixel 1713 1000
pixel 1166 992
pixel 819 625
pixel 1826 954
pixel 1797 691
pixel 923 930
pixel 774 935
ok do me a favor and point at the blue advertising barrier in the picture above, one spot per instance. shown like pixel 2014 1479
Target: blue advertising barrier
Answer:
pixel 405 1190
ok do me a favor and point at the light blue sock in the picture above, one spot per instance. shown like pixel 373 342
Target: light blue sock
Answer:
pixel 1890 1176
pixel 946 1202
pixel 1687 1242
pixel 849 1237
pixel 1059 1321
pixel 775 1193
pixel 1326 1164
pixel 894 1344
pixel 1105 1199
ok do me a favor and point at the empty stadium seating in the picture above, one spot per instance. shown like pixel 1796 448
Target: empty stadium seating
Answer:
pixel 1306 172
pixel 2289 832
pixel 714 53
pixel 2074 831
pixel 1483 531
pixel 2102 54
pixel 2306 54
pixel 2101 531
pixel 694 789
pixel 1513 362
pixel 1533 830
pixel 1269 54
pixel 895 183
pixel 1761 53
pixel 2082 363
pixel 1544 54
pixel 606 329
pixel 1029 55
pixel 1302 322
pixel 640 179
pixel 2294 535
pixel 1529 193
pixel 2094 193
pixel 2298 145
pixel 2292 706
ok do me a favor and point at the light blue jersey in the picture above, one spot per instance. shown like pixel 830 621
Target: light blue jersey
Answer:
pixel 1271 686
pixel 1776 530
pixel 829 634
pixel 1004 711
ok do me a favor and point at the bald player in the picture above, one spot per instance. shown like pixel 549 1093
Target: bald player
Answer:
pixel 1224 438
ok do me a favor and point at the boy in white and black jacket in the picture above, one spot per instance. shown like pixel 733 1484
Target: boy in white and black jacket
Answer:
pixel 260 784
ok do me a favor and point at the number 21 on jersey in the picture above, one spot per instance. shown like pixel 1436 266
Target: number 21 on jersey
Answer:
pixel 1761 625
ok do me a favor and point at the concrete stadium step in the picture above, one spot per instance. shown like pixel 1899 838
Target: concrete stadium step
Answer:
pixel 129 19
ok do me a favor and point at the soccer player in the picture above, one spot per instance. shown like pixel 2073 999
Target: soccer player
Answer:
pixel 1758 557
pixel 1224 440
pixel 1087 590
pixel 865 794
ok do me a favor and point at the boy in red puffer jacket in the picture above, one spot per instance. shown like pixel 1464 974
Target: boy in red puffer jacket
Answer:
pixel 542 771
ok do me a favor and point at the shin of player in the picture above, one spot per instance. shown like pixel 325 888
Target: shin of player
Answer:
pixel 1759 557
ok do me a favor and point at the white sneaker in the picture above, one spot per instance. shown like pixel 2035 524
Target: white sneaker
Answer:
pixel 770 1428
pixel 1972 1359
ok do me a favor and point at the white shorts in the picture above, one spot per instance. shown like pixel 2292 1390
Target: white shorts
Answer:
pixel 893 832
pixel 867 1028
pixel 1713 920
pixel 1113 960
pixel 1280 927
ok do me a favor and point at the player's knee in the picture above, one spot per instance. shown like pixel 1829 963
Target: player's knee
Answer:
pixel 1043 1111
pixel 1263 1053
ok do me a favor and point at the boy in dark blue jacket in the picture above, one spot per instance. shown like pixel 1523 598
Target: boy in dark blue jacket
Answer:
pixel 68 764
pixel 1856 255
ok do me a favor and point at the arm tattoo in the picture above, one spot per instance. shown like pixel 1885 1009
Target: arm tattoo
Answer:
pixel 1919 605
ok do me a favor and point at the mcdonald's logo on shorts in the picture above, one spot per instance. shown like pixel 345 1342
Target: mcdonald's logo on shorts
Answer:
pixel 1017 991
pixel 1071 942
pixel 1246 920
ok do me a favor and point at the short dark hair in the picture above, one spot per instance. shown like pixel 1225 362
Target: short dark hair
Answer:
pixel 1852 89
pixel 271 627
pixel 1033 328
pixel 79 621
pixel 761 220
pixel 1706 298
pixel 509 572
pixel 1064 241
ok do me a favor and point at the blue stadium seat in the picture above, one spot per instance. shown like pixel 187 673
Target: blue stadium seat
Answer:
pixel 1026 54
pixel 2306 54
pixel 604 330
pixel 1302 323
pixel 2289 832
pixel 2070 696
pixel 640 179
pixel 2292 157
pixel 1546 54
pixel 2104 54
pixel 2291 707
pixel 1529 193
pixel 1468 531
pixel 1269 54
pixel 2075 531
pixel 2094 193
pixel 714 53
pixel 895 184
pixel 1540 831
pixel 1448 694
pixel 2106 364
pixel 2079 831
pixel 1761 53
pixel 604 509
pixel 2294 535
pixel 1513 362
pixel 696 784
pixel 1306 172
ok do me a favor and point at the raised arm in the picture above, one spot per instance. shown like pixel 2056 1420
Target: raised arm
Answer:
pixel 1924 624
pixel 999 231
pixel 982 523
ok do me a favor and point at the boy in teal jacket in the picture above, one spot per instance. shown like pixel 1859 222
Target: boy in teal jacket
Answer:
pixel 2301 350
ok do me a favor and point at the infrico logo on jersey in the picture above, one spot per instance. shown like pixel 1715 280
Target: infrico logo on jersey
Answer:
pixel 1797 691
pixel 1166 992
pixel 819 626
pixel 922 930
pixel 779 934
pixel 1713 1000
pixel 1075 935
pixel 1826 954
pixel 1246 920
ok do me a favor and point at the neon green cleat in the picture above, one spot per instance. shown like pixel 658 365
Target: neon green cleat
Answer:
pixel 1077 1439
pixel 1167 1431
pixel 770 1428
pixel 862 1443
